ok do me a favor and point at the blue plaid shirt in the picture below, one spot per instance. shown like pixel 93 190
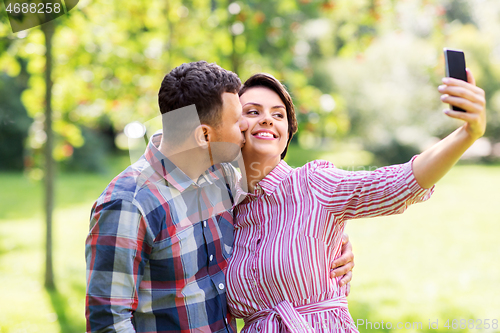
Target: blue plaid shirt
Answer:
pixel 158 247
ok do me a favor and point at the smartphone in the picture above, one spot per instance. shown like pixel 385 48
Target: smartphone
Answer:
pixel 455 67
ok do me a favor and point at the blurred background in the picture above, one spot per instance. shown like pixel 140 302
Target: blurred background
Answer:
pixel 363 75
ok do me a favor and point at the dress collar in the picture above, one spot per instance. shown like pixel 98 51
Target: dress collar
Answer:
pixel 275 177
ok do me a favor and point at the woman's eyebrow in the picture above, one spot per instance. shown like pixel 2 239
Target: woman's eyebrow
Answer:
pixel 251 103
pixel 257 104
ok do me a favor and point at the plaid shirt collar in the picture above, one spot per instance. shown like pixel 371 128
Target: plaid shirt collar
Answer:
pixel 170 172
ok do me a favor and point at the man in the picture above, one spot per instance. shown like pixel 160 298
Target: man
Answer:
pixel 162 231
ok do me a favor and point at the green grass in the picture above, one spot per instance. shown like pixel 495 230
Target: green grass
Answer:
pixel 437 261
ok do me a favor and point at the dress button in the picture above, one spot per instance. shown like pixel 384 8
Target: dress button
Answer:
pixel 221 286
pixel 211 257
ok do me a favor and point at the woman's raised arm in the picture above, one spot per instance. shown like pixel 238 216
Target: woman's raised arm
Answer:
pixel 435 162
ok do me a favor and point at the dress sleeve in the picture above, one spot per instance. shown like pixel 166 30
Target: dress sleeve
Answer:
pixel 117 249
pixel 349 194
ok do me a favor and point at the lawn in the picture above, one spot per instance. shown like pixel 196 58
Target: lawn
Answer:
pixel 437 261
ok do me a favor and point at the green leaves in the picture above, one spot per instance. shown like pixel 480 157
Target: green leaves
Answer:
pixel 110 56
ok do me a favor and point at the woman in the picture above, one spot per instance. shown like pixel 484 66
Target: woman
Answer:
pixel 289 227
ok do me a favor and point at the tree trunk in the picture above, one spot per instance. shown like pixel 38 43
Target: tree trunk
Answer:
pixel 234 55
pixel 48 31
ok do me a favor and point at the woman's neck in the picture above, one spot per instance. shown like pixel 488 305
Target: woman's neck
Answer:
pixel 257 169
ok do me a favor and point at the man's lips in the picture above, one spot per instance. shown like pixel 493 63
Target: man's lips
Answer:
pixel 264 134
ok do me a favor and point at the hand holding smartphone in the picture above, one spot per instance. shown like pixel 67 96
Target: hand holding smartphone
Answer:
pixel 455 68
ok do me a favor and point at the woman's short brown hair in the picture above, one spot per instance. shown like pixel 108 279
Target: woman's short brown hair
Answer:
pixel 270 82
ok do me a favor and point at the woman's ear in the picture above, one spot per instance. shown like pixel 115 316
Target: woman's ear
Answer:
pixel 202 136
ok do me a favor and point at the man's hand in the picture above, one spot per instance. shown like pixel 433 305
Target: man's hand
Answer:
pixel 343 265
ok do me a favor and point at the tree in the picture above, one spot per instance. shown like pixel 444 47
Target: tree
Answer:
pixel 48 31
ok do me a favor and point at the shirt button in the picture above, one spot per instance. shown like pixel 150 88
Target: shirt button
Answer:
pixel 205 224
pixel 211 257
pixel 225 319
pixel 221 286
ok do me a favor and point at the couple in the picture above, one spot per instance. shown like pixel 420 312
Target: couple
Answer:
pixel 161 234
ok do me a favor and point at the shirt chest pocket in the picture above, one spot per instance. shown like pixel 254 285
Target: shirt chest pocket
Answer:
pixel 183 251
pixel 323 226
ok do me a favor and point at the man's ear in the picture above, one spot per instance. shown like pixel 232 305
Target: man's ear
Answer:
pixel 202 135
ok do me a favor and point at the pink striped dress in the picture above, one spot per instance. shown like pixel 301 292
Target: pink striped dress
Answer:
pixel 289 231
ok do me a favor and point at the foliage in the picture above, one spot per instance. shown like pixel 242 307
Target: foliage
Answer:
pixel 14 122
pixel 364 69
pixel 91 156
pixel 110 57
pixel 388 85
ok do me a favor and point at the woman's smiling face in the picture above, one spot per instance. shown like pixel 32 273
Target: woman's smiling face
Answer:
pixel 267 133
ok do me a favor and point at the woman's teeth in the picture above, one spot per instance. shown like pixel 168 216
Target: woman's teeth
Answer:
pixel 265 135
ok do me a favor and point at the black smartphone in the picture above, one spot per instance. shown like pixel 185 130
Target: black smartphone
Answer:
pixel 455 67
